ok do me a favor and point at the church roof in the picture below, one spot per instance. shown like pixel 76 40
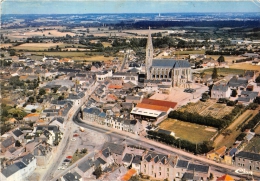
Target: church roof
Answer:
pixel 170 63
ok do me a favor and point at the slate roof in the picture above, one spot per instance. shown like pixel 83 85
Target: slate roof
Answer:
pixel 99 161
pixel 198 168
pixel 92 110
pixel 47 127
pixel 136 98
pixel 237 81
pixel 28 158
pixel 250 94
pixel 137 159
pixel 85 166
pixel 106 152
pixel 8 142
pixel 71 176
pixel 10 170
pixel 182 164
pixel 249 155
pixel 220 87
pixel 59 119
pixel 127 158
pixel 102 115
pixel 232 151
pixel 17 132
pixel 170 63
pixel 114 148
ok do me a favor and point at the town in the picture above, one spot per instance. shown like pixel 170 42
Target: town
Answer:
pixel 112 101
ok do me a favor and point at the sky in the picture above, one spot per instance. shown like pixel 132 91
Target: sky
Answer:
pixel 126 6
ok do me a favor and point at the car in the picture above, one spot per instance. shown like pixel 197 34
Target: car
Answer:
pixel 152 149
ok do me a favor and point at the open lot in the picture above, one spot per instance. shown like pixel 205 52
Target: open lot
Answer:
pixel 188 131
pixel 210 107
pixel 253 145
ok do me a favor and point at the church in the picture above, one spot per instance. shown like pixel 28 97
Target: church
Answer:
pixel 176 71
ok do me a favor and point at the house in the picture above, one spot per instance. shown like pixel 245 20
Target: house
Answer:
pixel 158 166
pixel 136 163
pixel 48 133
pixel 247 160
pixel 166 132
pixel 104 75
pixel 238 83
pixel 247 97
pixel 7 143
pixel 220 91
pixel 43 154
pixel 116 151
pixel 85 169
pixel 225 177
pixel 19 170
pixel 217 155
pixel 58 121
pixel 91 114
pixel 127 159
pixel 33 117
pixel 18 135
pixel 71 177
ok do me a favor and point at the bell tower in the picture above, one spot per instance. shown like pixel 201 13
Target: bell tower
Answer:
pixel 149 55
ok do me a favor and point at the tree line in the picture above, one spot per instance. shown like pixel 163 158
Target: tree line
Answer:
pixel 252 123
pixel 199 148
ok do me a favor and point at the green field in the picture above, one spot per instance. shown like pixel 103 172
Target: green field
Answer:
pixel 188 131
pixel 225 71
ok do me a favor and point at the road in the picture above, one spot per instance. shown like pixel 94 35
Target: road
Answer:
pixel 159 147
pixel 68 133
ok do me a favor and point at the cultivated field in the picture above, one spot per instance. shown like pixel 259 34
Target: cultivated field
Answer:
pixel 245 66
pixel 225 71
pixel 188 131
pixel 37 46
pixel 229 139
pixel 5 45
pixel 228 59
pixel 210 107
pixel 189 52
pixel 253 145
pixel 31 33
pixel 106 44
pixel 257 130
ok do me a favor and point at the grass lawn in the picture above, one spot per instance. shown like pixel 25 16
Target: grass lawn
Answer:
pixel 188 131
pixel 225 71
pixel 254 143
pixel 76 157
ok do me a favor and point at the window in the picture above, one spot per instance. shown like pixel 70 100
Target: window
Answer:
pixel 167 169
pixel 159 168
pixel 144 165
pixel 152 166
pixel 257 168
pixel 167 174
pixel 160 173
pixel 144 170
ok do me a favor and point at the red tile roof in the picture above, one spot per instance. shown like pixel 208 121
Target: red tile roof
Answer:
pixel 153 107
pixel 115 87
pixel 160 103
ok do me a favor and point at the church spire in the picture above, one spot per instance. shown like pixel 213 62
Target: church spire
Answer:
pixel 149 54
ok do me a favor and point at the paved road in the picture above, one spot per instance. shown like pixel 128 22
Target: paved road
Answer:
pixel 68 133
pixel 147 143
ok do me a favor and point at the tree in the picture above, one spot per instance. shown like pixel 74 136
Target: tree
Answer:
pixel 214 73
pixel 205 96
pixel 211 176
pixel 257 80
pixel 31 99
pixel 17 143
pixel 234 93
pixel 12 52
pixel 33 110
pixel 221 59
pixel 42 91
pixel 98 172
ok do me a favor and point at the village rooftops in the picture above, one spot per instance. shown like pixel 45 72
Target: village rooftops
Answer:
pixel 248 155
pixel 220 87
pixel 85 166
pixel 160 103
pixel 11 169
pixel 198 168
pixel 71 176
pixel 128 157
pixel 114 148
pixel 17 132
pixel 182 164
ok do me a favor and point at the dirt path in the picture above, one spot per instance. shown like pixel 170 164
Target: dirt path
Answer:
pixel 228 140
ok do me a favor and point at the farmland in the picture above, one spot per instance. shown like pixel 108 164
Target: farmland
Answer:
pixel 245 66
pixel 209 107
pixel 229 139
pixel 225 71
pixel 183 130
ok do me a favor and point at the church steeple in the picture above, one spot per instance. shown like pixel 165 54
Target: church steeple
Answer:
pixel 149 54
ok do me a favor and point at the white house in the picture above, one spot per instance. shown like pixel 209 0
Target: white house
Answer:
pixel 220 91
